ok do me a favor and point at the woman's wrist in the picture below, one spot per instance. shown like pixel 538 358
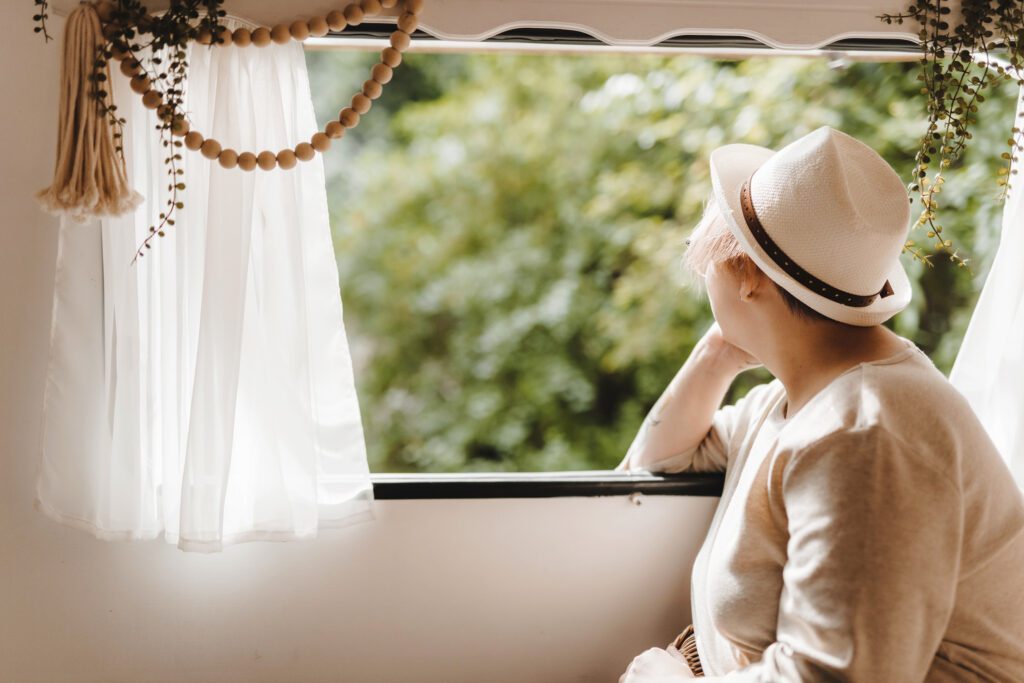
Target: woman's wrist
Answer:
pixel 718 356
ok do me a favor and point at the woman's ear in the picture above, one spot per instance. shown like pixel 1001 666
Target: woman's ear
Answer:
pixel 751 280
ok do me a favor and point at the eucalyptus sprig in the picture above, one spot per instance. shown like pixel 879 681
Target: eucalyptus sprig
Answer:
pixel 154 46
pixel 957 66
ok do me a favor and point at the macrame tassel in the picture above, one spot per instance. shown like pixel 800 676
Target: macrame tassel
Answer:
pixel 90 177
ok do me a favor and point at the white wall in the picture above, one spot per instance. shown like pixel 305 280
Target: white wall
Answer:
pixel 495 590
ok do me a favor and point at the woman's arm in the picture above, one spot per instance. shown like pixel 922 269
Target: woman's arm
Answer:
pixel 872 564
pixel 875 531
pixel 681 417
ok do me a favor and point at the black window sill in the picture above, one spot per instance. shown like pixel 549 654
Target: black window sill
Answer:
pixel 542 485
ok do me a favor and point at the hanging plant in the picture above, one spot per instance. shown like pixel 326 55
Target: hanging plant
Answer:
pixel 153 52
pixel 957 67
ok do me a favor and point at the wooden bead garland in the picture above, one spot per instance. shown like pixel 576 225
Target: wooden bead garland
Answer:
pixel 362 101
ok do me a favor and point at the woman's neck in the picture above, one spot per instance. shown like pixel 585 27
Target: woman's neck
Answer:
pixel 806 356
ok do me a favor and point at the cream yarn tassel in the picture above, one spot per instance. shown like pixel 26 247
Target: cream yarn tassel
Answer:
pixel 90 177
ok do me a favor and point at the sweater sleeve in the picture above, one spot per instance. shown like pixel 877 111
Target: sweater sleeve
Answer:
pixel 713 453
pixel 871 566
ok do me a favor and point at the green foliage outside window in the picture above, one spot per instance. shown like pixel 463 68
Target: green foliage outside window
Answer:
pixel 509 231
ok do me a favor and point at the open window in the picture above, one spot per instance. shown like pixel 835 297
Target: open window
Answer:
pixel 509 224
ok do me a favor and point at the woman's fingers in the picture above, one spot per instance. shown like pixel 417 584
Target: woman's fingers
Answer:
pixel 657 666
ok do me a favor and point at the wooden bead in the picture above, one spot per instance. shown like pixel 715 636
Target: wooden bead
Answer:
pixel 381 73
pixel 280 34
pixel 131 68
pixel 223 36
pixel 349 117
pixel 361 103
pixel 320 142
pixel 336 21
pixel 286 159
pixel 242 37
pixel 372 89
pixel 228 158
pixel 118 50
pixel 400 40
pixel 414 6
pixel 110 30
pixel 408 22
pixel 266 160
pixel 151 99
pixel 140 84
pixel 354 14
pixel 299 30
pixel 180 126
pixel 391 56
pixel 334 129
pixel 247 161
pixel 210 149
pixel 204 37
pixel 105 10
pixel 388 4
pixel 370 7
pixel 318 27
pixel 193 140
pixel 164 112
pixel 261 36
pixel 304 151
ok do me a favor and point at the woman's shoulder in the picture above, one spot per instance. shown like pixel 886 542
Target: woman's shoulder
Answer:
pixel 905 399
pixel 904 394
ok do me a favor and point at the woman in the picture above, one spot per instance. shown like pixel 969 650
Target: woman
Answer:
pixel 868 530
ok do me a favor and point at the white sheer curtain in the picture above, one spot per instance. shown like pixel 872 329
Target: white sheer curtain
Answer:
pixel 989 368
pixel 206 391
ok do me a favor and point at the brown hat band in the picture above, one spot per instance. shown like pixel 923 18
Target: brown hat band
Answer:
pixel 792 269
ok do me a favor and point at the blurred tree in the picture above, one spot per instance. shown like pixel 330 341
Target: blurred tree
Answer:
pixel 509 231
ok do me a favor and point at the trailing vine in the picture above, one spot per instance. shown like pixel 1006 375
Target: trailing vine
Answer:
pixel 152 50
pixel 40 18
pixel 957 66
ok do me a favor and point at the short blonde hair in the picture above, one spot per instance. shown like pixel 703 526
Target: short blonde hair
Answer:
pixel 712 242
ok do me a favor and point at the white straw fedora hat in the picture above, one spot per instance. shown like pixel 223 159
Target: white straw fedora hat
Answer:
pixel 825 217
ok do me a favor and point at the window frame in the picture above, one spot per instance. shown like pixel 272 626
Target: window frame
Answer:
pixel 583 483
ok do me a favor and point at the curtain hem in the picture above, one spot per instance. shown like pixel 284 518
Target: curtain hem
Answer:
pixel 353 516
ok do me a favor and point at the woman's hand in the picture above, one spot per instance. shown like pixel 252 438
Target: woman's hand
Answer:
pixel 657 666
pixel 726 352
